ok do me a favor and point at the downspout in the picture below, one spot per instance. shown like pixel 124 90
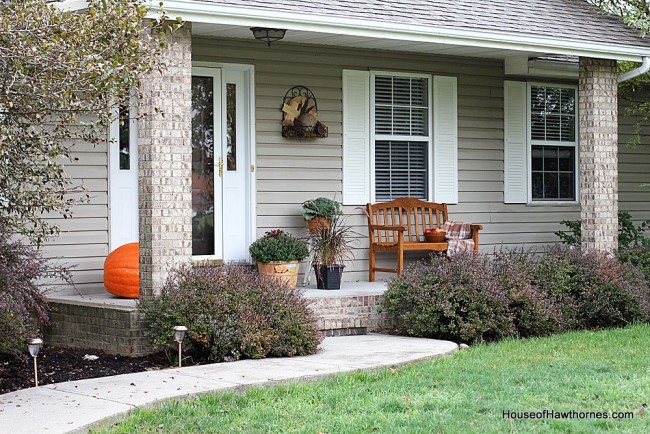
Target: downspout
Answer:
pixel 645 67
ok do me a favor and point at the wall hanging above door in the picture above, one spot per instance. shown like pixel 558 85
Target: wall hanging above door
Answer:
pixel 300 115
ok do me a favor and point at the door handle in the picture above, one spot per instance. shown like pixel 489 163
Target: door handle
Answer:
pixel 220 167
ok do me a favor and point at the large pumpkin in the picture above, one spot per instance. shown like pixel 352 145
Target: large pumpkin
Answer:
pixel 122 271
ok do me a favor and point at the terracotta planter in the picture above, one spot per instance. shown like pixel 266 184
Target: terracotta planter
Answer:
pixel 284 271
pixel 318 224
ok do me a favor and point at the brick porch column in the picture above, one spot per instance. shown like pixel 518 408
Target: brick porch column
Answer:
pixel 598 126
pixel 165 178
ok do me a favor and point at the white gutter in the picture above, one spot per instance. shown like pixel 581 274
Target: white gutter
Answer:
pixel 645 67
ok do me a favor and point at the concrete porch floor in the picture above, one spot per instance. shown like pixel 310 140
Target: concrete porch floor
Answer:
pixel 103 298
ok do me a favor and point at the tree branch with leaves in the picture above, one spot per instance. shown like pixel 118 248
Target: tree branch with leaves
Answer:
pixel 63 76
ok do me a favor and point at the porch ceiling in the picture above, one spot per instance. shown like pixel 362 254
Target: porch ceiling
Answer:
pixel 364 42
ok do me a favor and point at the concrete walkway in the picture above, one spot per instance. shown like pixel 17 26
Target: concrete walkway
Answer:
pixel 77 405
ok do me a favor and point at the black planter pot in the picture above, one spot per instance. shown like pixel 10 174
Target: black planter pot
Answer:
pixel 328 277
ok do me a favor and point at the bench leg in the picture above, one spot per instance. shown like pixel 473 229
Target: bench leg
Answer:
pixel 400 262
pixel 371 266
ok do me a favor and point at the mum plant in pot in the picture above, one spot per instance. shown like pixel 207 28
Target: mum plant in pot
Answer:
pixel 331 247
pixel 278 254
pixel 318 213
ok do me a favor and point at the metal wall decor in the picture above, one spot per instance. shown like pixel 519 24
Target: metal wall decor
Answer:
pixel 300 115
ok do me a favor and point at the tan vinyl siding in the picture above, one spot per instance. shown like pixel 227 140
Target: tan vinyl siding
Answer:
pixel 83 242
pixel 633 165
pixel 291 171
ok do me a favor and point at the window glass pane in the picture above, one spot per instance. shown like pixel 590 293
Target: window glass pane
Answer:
pixel 567 186
pixel 538 185
pixel 402 91
pixel 125 138
pixel 550 159
pixel 383 120
pixel 231 126
pixel 202 166
pixel 401 169
pixel 401 120
pixel 401 105
pixel 383 90
pixel 552 113
pixel 551 185
pixel 538 158
pixel 553 175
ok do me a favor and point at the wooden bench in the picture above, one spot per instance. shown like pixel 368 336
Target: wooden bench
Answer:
pixel 399 225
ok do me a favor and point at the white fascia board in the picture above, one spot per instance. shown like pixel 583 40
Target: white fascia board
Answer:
pixel 211 13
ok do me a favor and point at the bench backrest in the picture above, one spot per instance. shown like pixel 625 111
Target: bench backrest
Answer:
pixel 413 214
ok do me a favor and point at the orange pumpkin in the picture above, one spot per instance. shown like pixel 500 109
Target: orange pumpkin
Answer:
pixel 122 271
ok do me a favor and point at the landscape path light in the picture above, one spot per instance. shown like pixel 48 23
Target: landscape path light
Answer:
pixel 34 345
pixel 179 335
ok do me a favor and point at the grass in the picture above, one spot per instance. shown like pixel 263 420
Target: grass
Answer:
pixel 605 371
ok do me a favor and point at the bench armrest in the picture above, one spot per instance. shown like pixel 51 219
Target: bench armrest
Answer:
pixel 476 227
pixel 387 228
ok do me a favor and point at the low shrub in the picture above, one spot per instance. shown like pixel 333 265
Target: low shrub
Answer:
pixel 23 306
pixel 593 290
pixel 457 298
pixel 535 312
pixel 232 313
pixel 639 257
pixel 629 235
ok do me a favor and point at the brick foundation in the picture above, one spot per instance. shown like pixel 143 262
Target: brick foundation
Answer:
pixel 110 328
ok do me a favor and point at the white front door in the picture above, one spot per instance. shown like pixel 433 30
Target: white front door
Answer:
pixel 222 175
pixel 123 179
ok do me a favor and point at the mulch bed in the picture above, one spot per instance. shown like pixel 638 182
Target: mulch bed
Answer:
pixel 57 365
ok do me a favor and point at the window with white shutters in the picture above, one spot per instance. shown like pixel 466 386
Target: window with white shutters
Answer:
pixel 402 135
pixel 553 142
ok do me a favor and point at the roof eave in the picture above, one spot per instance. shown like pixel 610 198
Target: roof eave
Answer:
pixel 212 13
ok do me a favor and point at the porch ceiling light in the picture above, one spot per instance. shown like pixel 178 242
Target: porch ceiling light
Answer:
pixel 268 35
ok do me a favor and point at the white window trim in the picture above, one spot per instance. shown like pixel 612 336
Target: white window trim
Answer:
pixel 374 137
pixel 531 143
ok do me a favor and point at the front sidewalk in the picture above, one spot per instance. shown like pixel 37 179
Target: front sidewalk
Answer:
pixel 76 406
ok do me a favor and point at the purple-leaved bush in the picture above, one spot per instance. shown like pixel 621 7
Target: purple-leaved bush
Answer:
pixel 23 307
pixel 232 313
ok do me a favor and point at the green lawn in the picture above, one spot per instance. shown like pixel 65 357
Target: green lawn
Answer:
pixel 607 371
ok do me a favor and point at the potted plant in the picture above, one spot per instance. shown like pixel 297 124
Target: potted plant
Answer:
pixel 318 213
pixel 278 254
pixel 330 247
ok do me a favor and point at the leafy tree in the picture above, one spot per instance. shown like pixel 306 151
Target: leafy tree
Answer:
pixel 63 75
pixel 635 13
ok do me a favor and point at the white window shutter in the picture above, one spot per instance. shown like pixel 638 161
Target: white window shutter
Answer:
pixel 515 176
pixel 356 137
pixel 445 140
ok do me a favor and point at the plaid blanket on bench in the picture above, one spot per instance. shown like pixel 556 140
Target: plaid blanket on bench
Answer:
pixel 459 237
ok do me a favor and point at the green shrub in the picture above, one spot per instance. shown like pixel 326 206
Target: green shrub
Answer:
pixel 232 313
pixel 455 298
pixel 593 289
pixel 23 306
pixel 535 312
pixel 629 235
pixel 639 257
pixel 278 245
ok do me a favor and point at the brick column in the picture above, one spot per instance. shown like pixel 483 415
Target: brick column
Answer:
pixel 165 179
pixel 598 154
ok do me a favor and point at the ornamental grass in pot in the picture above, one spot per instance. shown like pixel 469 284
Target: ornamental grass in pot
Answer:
pixel 278 254
pixel 330 248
